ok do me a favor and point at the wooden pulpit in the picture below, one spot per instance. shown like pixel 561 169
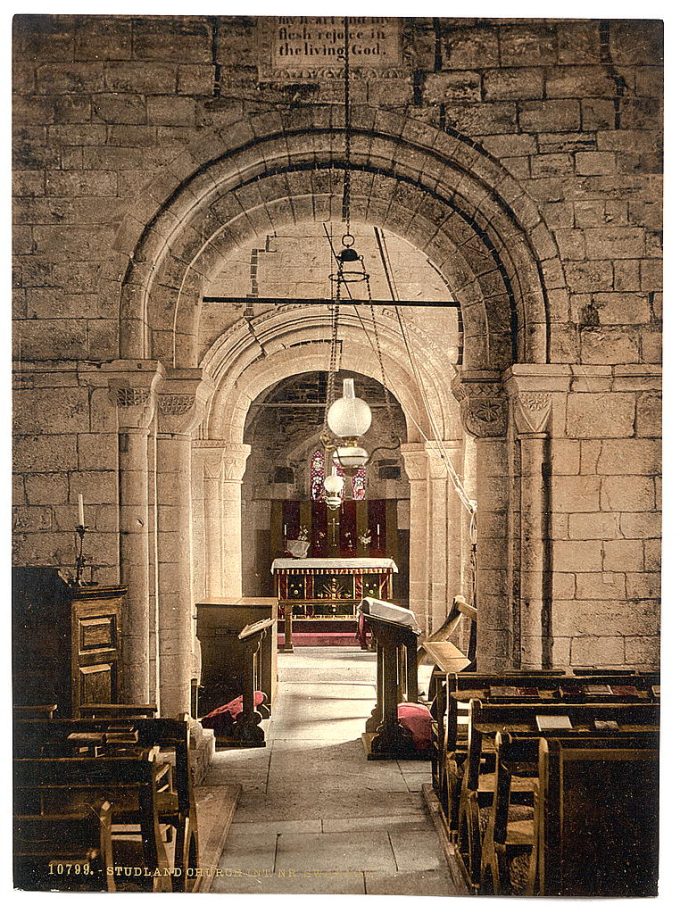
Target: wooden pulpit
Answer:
pixel 396 644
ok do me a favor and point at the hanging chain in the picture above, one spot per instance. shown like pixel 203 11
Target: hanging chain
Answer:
pixel 346 185
pixel 333 361
pixel 378 351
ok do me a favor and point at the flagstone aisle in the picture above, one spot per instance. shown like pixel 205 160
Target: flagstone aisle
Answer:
pixel 316 817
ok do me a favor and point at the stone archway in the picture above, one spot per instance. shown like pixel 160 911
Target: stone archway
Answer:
pixel 441 193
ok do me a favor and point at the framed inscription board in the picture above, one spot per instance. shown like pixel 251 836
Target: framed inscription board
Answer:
pixel 311 48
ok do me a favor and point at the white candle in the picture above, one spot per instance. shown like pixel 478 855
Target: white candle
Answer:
pixel 81 512
pixel 285 529
pixel 377 529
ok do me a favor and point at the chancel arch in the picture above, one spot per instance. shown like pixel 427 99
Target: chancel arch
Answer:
pixel 476 231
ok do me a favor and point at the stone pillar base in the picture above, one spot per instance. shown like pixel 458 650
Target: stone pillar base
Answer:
pixel 201 751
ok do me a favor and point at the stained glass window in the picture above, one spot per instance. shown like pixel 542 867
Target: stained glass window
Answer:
pixel 359 485
pixel 317 474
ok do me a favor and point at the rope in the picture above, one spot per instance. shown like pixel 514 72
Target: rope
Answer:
pixel 346 184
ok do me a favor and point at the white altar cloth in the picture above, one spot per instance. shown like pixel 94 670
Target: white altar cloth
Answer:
pixel 359 564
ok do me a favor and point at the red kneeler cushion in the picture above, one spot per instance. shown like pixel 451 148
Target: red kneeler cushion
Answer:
pixel 222 719
pixel 417 720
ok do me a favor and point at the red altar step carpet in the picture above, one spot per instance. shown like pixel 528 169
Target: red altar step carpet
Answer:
pixel 321 634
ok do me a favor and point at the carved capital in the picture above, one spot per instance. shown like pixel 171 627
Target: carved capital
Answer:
pixel 415 460
pixel 532 412
pixel 182 398
pixel 436 463
pixel 133 389
pixel 234 461
pixel 483 406
pixel 209 453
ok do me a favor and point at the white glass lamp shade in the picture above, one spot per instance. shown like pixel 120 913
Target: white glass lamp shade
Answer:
pixel 349 416
pixel 333 502
pixel 333 484
pixel 350 457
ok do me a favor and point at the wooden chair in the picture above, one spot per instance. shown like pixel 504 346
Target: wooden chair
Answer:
pixel 55 787
pixel 68 851
pixel 504 840
pixel 176 805
pixel 598 819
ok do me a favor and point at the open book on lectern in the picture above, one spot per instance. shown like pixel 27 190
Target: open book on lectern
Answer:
pixel 389 612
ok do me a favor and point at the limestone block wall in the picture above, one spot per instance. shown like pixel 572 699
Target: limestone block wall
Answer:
pixel 112 113
pixel 606 520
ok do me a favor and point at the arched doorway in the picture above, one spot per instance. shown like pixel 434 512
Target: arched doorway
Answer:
pixel 483 235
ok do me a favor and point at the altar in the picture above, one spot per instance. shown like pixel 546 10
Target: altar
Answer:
pixel 322 590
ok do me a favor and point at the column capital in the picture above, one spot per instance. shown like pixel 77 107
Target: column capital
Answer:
pixel 483 403
pixel 415 460
pixel 433 449
pixel 531 412
pixel 133 389
pixel 209 452
pixel 182 399
pixel 234 461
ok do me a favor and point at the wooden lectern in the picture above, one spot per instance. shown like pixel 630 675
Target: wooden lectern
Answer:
pixel 396 645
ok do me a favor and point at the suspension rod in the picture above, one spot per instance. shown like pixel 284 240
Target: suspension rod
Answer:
pixel 278 300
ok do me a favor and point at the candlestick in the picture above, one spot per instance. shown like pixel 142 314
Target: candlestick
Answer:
pixel 80 558
pixel 81 512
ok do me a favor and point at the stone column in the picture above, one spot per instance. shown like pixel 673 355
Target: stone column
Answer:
pixel 443 529
pixel 531 412
pixel 133 388
pixel 484 416
pixel 416 466
pixel 208 457
pixel 234 466
pixel 181 402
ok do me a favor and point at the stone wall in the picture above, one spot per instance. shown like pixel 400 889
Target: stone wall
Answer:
pixel 111 115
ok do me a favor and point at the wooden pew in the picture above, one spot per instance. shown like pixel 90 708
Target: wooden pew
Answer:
pixel 486 718
pixel 598 820
pixel 59 786
pixel 451 730
pixel 34 712
pixel 176 804
pixel 69 851
pixel 507 837
pixel 118 710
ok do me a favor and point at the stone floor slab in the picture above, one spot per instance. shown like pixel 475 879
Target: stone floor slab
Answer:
pixel 367 851
pixel 299 826
pixel 249 851
pixel 292 884
pixel 416 850
pixel 373 823
pixel 425 882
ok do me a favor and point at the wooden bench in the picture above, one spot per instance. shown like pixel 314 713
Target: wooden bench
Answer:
pixel 176 805
pixel 476 788
pixel 68 851
pixel 539 688
pixel 118 710
pixel 507 837
pixel 34 712
pixel 67 786
pixel 598 812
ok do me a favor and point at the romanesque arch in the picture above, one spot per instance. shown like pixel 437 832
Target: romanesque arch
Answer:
pixel 439 192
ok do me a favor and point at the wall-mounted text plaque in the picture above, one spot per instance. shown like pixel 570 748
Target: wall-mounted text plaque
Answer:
pixel 310 48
